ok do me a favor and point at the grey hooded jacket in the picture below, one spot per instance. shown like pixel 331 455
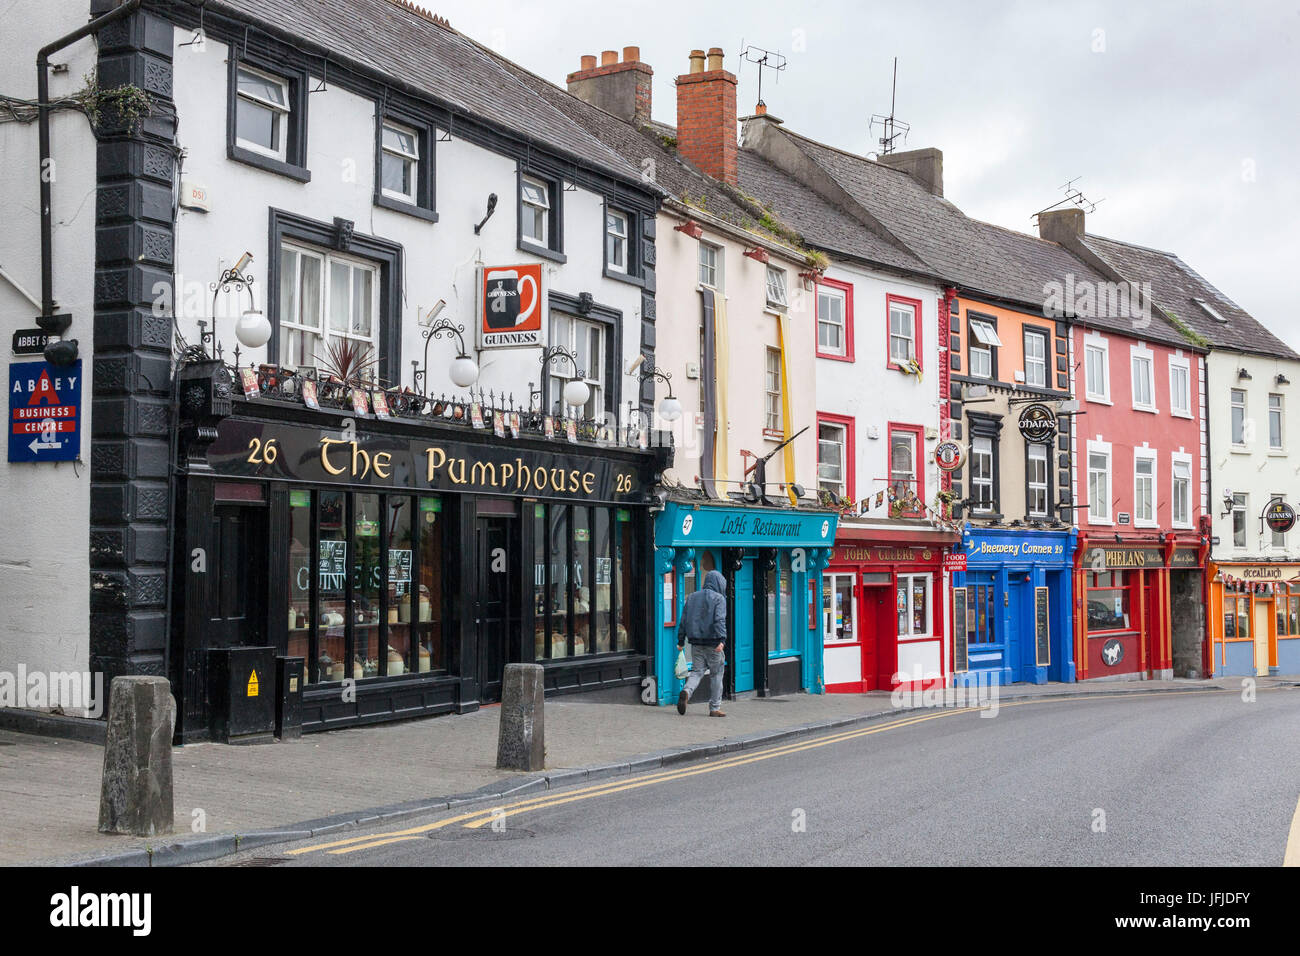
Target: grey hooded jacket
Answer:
pixel 704 618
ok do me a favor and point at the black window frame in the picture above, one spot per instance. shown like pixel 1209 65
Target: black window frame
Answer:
pixel 554 250
pixel 426 182
pixel 294 165
pixel 1046 335
pixel 612 319
pixel 987 425
pixel 635 271
pixel 973 342
pixel 386 255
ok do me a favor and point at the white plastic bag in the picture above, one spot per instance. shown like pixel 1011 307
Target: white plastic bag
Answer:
pixel 682 668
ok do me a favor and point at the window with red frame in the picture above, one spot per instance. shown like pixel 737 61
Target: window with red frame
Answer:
pixel 835 464
pixel 906 477
pixel 903 320
pixel 835 320
pixel 1109 602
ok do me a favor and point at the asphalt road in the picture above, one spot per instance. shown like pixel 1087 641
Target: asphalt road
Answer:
pixel 1160 779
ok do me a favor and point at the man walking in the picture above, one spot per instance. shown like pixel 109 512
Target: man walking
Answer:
pixel 704 624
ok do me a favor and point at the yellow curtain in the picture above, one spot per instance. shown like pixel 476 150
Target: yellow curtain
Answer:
pixel 721 363
pixel 783 332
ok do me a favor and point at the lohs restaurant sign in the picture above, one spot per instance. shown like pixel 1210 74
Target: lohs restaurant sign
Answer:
pixel 296 453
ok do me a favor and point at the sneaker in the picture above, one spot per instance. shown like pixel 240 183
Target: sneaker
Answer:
pixel 716 713
pixel 681 703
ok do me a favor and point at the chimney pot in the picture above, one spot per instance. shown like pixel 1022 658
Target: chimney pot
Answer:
pixel 622 89
pixel 631 54
pixel 589 62
pixel 760 109
pixel 608 57
pixel 715 58
pixel 697 61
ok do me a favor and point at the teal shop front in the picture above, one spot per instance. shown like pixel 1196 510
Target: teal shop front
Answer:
pixel 772 559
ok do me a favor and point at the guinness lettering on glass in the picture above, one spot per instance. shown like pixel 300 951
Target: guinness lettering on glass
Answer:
pixel 511 306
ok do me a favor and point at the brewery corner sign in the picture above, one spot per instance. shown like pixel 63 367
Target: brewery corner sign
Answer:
pixel 510 313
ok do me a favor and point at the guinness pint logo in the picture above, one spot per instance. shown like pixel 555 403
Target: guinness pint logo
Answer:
pixel 1038 424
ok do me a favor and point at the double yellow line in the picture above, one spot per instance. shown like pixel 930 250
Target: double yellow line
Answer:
pixel 481 818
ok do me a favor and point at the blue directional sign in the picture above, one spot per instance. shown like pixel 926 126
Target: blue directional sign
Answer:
pixel 44 411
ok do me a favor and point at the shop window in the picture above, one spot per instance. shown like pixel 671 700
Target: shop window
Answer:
pixel 582 581
pixel 583 577
pixel 781 621
pixel 432 653
pixel 300 571
pixel 541 604
pixel 399 544
pixel 981 615
pixel 558 579
pixel 669 598
pixel 839 609
pixel 1236 617
pixel 912 601
pixel 1287 606
pixel 332 587
pixel 1108 602
pixel 623 594
pixel 365 584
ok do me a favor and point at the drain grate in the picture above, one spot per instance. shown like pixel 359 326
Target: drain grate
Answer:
pixel 482 833
pixel 262 861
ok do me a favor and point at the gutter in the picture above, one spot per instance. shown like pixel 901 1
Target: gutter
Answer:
pixel 48 321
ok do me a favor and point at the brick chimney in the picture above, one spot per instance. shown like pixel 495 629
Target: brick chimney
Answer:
pixel 1061 225
pixel 620 88
pixel 706 116
pixel 923 165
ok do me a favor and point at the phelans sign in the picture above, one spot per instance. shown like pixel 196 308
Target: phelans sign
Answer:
pixel 44 411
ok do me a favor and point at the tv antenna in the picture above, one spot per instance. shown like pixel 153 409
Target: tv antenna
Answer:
pixel 892 129
pixel 766 59
pixel 1072 195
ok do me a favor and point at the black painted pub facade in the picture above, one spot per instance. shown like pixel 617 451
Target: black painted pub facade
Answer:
pixel 406 562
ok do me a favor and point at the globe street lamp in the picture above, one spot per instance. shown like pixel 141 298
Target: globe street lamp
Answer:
pixel 576 392
pixel 670 409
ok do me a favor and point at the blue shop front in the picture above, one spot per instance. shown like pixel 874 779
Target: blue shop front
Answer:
pixel 772 559
pixel 1015 598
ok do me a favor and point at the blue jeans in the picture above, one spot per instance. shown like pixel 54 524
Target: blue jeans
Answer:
pixel 707 656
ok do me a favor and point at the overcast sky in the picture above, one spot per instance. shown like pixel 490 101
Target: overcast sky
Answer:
pixel 1181 115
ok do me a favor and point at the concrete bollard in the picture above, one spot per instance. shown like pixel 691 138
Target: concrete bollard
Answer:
pixel 136 792
pixel 521 739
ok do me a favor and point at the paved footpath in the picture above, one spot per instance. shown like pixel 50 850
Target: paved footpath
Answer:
pixel 49 788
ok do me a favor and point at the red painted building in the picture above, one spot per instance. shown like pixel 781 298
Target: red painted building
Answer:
pixel 1138 475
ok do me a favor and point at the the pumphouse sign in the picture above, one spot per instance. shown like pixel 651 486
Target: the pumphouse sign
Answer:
pixel 44 411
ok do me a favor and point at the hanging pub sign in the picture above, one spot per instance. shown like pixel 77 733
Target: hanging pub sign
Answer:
pixel 1279 516
pixel 510 313
pixel 1038 424
pixel 948 455
pixel 44 411
pixel 248 449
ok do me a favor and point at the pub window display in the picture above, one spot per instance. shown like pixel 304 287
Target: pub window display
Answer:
pixel 378 605
pixel 1108 602
pixel 582 581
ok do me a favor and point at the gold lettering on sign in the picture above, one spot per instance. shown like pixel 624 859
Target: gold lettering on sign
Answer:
pixel 587 479
pixel 437 458
pixel 456 470
pixel 483 473
pixel 507 472
pixel 359 454
pixel 557 479
pixel 383 464
pixel 324 455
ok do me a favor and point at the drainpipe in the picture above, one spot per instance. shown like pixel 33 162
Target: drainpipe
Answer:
pixel 46 320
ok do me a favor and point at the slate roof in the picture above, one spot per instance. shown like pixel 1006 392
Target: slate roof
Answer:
pixel 1176 285
pixel 449 68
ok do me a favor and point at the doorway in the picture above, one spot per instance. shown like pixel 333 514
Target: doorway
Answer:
pixel 236 578
pixel 494 574
pixel 1263 615
pixel 742 668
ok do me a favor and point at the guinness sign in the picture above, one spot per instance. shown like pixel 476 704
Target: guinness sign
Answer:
pixel 1279 516
pixel 1038 424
